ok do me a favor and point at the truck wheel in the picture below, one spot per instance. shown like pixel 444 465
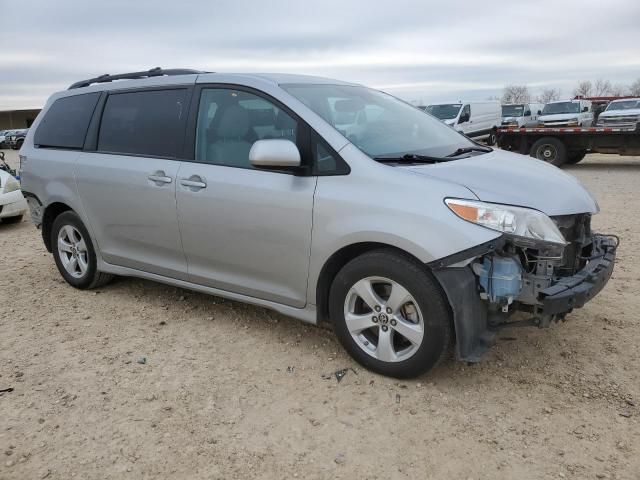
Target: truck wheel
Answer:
pixel 492 138
pixel 390 314
pixel 575 157
pixel 74 254
pixel 550 150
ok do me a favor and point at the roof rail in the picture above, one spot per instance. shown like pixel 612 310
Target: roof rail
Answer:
pixel 154 72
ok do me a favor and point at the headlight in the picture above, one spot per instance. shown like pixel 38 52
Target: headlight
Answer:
pixel 11 186
pixel 522 222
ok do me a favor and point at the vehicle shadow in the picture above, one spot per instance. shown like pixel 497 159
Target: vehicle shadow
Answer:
pixel 272 327
pixel 10 227
pixel 606 165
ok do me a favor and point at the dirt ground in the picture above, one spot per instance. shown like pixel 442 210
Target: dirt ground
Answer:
pixel 233 391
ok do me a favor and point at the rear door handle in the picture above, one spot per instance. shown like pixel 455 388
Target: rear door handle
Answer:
pixel 159 178
pixel 194 182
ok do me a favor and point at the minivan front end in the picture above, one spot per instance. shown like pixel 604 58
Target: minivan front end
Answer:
pixel 538 271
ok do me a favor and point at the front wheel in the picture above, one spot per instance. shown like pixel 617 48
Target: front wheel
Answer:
pixel 390 314
pixel 74 254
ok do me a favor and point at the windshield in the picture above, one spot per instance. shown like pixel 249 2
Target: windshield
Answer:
pixel 377 123
pixel 623 105
pixel 512 110
pixel 444 112
pixel 561 107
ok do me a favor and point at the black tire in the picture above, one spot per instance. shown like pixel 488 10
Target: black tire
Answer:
pixel 575 157
pixel 428 295
pixel 91 278
pixel 550 150
pixel 16 219
pixel 492 139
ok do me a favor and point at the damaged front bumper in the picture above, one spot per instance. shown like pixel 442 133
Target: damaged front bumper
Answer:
pixel 477 319
pixel 574 291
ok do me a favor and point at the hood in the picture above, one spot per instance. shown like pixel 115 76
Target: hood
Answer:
pixel 621 113
pixel 514 179
pixel 558 117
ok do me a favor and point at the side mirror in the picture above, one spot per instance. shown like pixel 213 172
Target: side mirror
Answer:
pixel 527 113
pixel 464 118
pixel 539 112
pixel 585 109
pixel 274 153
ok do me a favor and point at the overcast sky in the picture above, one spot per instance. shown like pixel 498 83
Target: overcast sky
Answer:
pixel 418 50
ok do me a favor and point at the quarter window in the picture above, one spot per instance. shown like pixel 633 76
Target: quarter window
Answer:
pixel 230 121
pixel 66 122
pixel 143 123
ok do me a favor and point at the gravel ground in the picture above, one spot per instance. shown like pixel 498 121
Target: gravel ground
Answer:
pixel 140 380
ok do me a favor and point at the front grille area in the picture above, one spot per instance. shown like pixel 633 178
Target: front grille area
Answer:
pixel 618 121
pixel 576 230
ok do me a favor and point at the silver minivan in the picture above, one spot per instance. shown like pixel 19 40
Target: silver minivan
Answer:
pixel 324 200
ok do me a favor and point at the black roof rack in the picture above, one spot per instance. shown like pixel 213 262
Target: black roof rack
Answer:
pixel 154 72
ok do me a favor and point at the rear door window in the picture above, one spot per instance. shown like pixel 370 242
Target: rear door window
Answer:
pixel 148 123
pixel 66 122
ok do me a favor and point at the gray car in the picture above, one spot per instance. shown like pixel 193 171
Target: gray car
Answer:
pixel 321 199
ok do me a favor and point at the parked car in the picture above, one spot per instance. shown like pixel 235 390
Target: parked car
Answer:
pixel 3 138
pixel 624 113
pixel 521 114
pixel 406 236
pixel 569 113
pixel 477 120
pixel 13 205
pixel 16 139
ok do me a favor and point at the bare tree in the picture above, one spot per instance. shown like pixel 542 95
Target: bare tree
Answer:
pixel 516 94
pixel 602 88
pixel 549 95
pixel 634 89
pixel 583 89
pixel 618 90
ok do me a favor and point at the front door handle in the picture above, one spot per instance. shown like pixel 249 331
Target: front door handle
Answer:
pixel 194 182
pixel 159 178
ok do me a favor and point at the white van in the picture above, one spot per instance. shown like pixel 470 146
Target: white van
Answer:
pixel 521 114
pixel 477 120
pixel 566 113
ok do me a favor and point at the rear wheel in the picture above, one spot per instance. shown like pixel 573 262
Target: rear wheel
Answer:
pixel 550 150
pixel 492 138
pixel 575 157
pixel 390 314
pixel 74 253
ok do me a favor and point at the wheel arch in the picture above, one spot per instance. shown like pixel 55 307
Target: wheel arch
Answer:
pixel 339 259
pixel 51 212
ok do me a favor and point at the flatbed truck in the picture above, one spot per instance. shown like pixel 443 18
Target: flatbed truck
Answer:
pixel 560 146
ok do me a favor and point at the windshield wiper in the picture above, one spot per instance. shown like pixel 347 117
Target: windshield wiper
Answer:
pixel 411 158
pixel 463 150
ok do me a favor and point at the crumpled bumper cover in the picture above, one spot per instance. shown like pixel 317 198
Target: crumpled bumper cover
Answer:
pixel 573 292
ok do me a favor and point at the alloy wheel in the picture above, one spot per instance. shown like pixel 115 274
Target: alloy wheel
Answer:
pixel 384 319
pixel 72 250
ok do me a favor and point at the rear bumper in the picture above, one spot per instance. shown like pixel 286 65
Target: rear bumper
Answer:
pixel 573 292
